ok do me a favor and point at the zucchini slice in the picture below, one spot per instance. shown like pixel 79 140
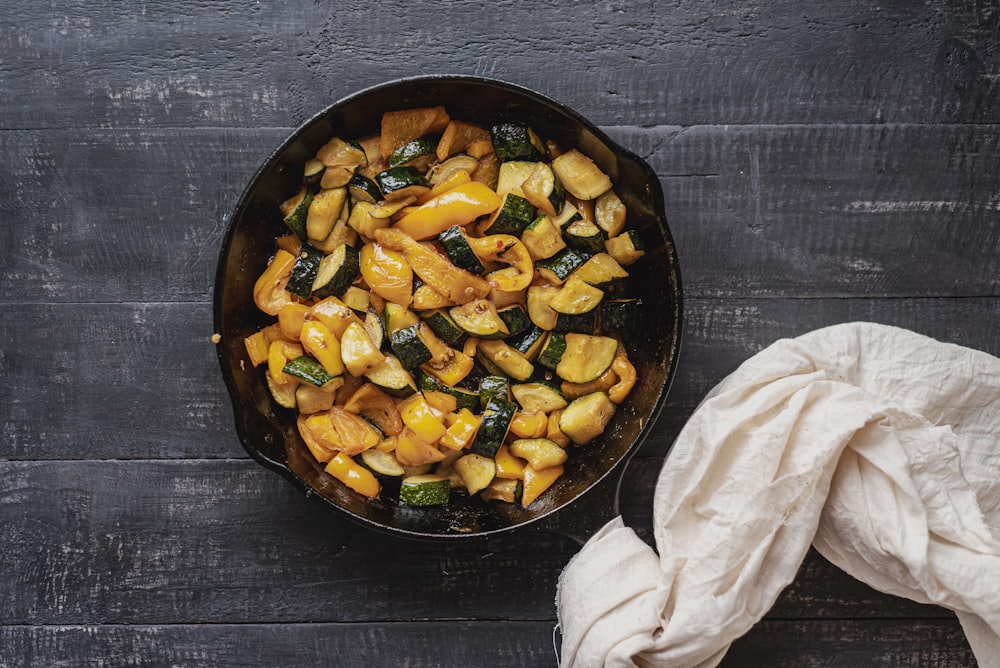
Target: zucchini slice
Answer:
pixel 581 323
pixel 557 268
pixel 506 490
pixel 586 417
pixel 398 317
pixel 512 217
pixel 586 357
pixel 424 490
pixel 493 386
pixel 363 189
pixel 580 176
pixel 476 471
pixel 297 208
pixel 538 397
pixel 493 429
pixel 479 318
pixel 358 351
pixel 336 272
pixel 515 318
pixel 610 213
pixel 458 250
pixel 382 464
pixel 444 326
pixel 584 235
pixel 541 453
pixel 576 296
pixel 304 271
pixel 419 153
pixel 626 248
pixel 308 369
pixel 620 314
pixel 512 174
pixel 357 299
pixel 312 174
pixel 602 271
pixel 463 398
pixel 340 153
pixel 397 183
pixel 392 378
pixel 529 342
pixel 408 347
pixel 552 351
pixel 544 190
pixel 498 357
pixel 516 141
pixel 542 238
pixel 539 311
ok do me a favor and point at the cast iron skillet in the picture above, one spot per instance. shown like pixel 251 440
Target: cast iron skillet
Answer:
pixel 268 431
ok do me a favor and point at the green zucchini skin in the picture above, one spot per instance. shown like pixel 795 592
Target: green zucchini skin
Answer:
pixel 493 386
pixel 414 153
pixel 552 351
pixel 458 250
pixel 514 215
pixel 441 322
pixel 620 314
pixel 514 141
pixel 337 278
pixel 408 347
pixel 528 341
pixel 308 369
pixel 397 178
pixel 516 319
pixel 363 189
pixel 296 218
pixel 300 283
pixel 583 323
pixel 584 236
pixel 492 431
pixel 563 263
pixel 464 398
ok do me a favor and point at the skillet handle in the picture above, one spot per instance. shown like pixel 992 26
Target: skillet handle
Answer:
pixel 594 508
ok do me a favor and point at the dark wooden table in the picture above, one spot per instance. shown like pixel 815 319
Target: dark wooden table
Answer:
pixel 822 162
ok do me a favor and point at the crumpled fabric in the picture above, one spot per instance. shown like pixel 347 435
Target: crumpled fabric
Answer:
pixel 877 445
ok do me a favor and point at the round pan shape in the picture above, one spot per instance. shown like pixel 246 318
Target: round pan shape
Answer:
pixel 268 432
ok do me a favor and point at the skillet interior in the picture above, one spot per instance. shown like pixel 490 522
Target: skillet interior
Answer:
pixel 268 431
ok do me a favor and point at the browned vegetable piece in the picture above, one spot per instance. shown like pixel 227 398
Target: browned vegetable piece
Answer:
pixel 457 137
pixel 400 127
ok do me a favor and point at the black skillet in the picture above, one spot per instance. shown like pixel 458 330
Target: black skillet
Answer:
pixel 594 471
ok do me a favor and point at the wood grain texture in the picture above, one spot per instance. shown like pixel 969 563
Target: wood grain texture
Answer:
pixel 141 381
pixel 518 645
pixel 871 211
pixel 647 63
pixel 823 163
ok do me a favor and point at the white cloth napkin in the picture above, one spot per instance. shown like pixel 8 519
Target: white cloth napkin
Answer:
pixel 879 446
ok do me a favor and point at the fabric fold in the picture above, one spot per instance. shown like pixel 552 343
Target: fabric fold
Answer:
pixel 875 444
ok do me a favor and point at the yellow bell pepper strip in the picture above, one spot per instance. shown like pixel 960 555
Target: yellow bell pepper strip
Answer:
pixel 411 450
pixel 419 417
pixel 529 425
pixel 319 436
pixel 435 269
pixel 453 181
pixel 625 371
pixel 537 481
pixel 461 431
pixel 353 432
pixel 451 371
pixel 459 206
pixel 441 402
pixel 387 273
pixel 269 293
pixel 506 249
pixel 291 318
pixel 319 341
pixel 508 466
pixel 355 476
pixel 278 355
pixel 257 347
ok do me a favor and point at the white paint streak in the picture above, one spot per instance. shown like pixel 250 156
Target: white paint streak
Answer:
pixel 935 206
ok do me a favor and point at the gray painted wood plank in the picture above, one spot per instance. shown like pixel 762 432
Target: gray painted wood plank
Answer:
pixel 815 644
pixel 126 381
pixel 141 542
pixel 685 62
pixel 798 211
